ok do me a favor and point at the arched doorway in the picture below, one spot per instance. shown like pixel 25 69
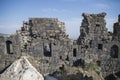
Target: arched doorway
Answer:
pixel 114 51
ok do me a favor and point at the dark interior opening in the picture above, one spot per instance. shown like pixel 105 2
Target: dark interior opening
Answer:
pixel 117 74
pixel 98 62
pixel 110 77
pixel 62 68
pixel 86 46
pixel 67 58
pixel 79 62
pixel 47 50
pixel 74 52
pixel 25 46
pixel 114 51
pixel 60 57
pixel 97 25
pixel 100 46
pixel 114 76
pixel 9 47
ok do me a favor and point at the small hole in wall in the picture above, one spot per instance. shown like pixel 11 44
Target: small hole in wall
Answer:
pixel 74 52
pixel 100 46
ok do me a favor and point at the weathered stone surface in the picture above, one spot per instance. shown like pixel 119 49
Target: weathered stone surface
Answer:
pixel 50 78
pixel 21 69
pixel 45 40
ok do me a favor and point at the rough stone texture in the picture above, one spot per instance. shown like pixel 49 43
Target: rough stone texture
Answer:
pixel 21 69
pixel 45 40
pixel 50 78
pixel 116 30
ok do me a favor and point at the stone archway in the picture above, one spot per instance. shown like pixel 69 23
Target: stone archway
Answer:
pixel 114 51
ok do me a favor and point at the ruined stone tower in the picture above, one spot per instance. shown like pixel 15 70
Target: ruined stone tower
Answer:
pixel 46 41
pixel 116 31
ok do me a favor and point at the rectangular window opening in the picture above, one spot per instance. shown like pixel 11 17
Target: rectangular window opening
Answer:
pixel 100 46
pixel 74 52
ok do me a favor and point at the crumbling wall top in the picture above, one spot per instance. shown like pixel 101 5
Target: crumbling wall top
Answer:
pixel 119 18
pixel 43 19
pixel 103 14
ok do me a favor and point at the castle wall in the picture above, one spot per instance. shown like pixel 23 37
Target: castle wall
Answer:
pixel 45 40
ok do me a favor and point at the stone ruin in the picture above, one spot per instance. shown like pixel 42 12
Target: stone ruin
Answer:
pixel 21 69
pixel 45 39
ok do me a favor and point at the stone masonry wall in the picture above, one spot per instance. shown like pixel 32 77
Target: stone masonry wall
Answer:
pixel 46 42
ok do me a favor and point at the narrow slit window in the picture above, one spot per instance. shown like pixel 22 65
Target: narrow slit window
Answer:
pixel 74 52
pixel 9 47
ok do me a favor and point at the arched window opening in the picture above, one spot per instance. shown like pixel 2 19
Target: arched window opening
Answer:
pixel 114 51
pixel 9 47
pixel 47 50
